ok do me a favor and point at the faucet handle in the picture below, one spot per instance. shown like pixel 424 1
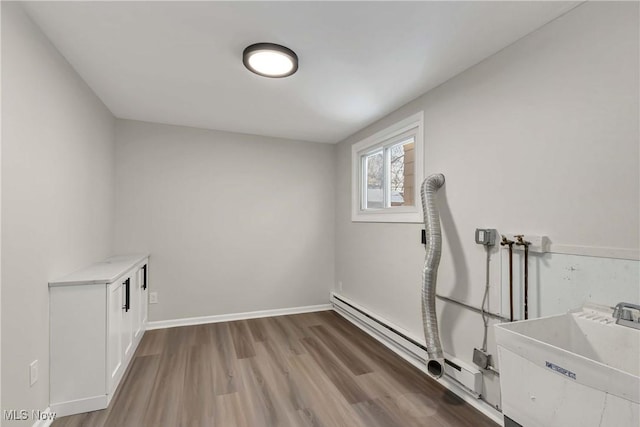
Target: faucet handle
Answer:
pixel 624 311
pixel 520 240
pixel 618 311
pixel 505 241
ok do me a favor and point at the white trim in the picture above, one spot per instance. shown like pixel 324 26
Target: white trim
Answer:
pixel 47 422
pixel 87 404
pixel 384 337
pixel 190 321
pixel 410 214
pixel 617 253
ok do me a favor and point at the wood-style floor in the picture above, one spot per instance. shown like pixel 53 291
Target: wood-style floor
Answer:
pixel 313 369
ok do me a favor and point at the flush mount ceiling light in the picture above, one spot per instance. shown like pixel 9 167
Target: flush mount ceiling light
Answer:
pixel 270 60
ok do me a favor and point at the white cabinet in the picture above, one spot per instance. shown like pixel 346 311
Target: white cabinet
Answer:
pixel 126 328
pixel 139 298
pixel 97 318
pixel 114 340
pixel 144 302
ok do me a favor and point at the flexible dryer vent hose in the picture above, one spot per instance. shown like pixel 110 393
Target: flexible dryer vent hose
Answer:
pixel 435 356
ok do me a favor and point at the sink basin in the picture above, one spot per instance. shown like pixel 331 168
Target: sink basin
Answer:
pixel 575 369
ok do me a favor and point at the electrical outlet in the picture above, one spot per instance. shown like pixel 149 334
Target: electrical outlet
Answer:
pixel 33 372
pixel 486 236
pixel 153 297
pixel 481 358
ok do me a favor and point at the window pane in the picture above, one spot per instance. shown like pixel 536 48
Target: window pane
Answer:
pixel 401 173
pixel 374 165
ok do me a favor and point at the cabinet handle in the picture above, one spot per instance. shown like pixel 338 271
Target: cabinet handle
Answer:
pixel 144 277
pixel 127 295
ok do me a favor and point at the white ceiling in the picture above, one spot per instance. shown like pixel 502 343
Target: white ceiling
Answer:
pixel 180 62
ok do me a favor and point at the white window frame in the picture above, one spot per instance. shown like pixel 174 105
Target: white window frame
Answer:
pixel 413 125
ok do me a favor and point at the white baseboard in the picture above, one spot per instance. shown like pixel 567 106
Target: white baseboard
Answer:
pixel 413 358
pixel 72 407
pixel 190 321
pixel 46 419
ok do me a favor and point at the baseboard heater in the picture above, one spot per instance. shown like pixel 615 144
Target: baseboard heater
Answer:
pixel 467 376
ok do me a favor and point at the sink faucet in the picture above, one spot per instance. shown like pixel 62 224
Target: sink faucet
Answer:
pixel 623 313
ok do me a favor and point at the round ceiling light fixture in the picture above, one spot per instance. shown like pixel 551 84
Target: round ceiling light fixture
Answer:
pixel 270 60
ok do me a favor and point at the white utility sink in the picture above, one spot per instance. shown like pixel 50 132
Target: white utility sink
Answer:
pixel 576 369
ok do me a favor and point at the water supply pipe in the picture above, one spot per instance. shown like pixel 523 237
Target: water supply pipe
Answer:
pixel 433 234
pixel 510 243
pixel 521 242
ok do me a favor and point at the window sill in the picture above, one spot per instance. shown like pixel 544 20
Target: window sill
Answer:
pixel 390 217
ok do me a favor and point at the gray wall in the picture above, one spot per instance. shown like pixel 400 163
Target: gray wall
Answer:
pixel 541 138
pixel 57 195
pixel 234 223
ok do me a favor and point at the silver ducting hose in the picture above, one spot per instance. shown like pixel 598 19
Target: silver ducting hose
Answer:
pixel 435 356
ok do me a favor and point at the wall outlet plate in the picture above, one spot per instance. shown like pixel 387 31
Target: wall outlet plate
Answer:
pixel 153 297
pixel 481 358
pixel 486 236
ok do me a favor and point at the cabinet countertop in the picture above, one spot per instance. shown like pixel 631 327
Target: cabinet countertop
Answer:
pixel 103 272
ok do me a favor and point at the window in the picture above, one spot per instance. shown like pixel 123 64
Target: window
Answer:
pixel 387 171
